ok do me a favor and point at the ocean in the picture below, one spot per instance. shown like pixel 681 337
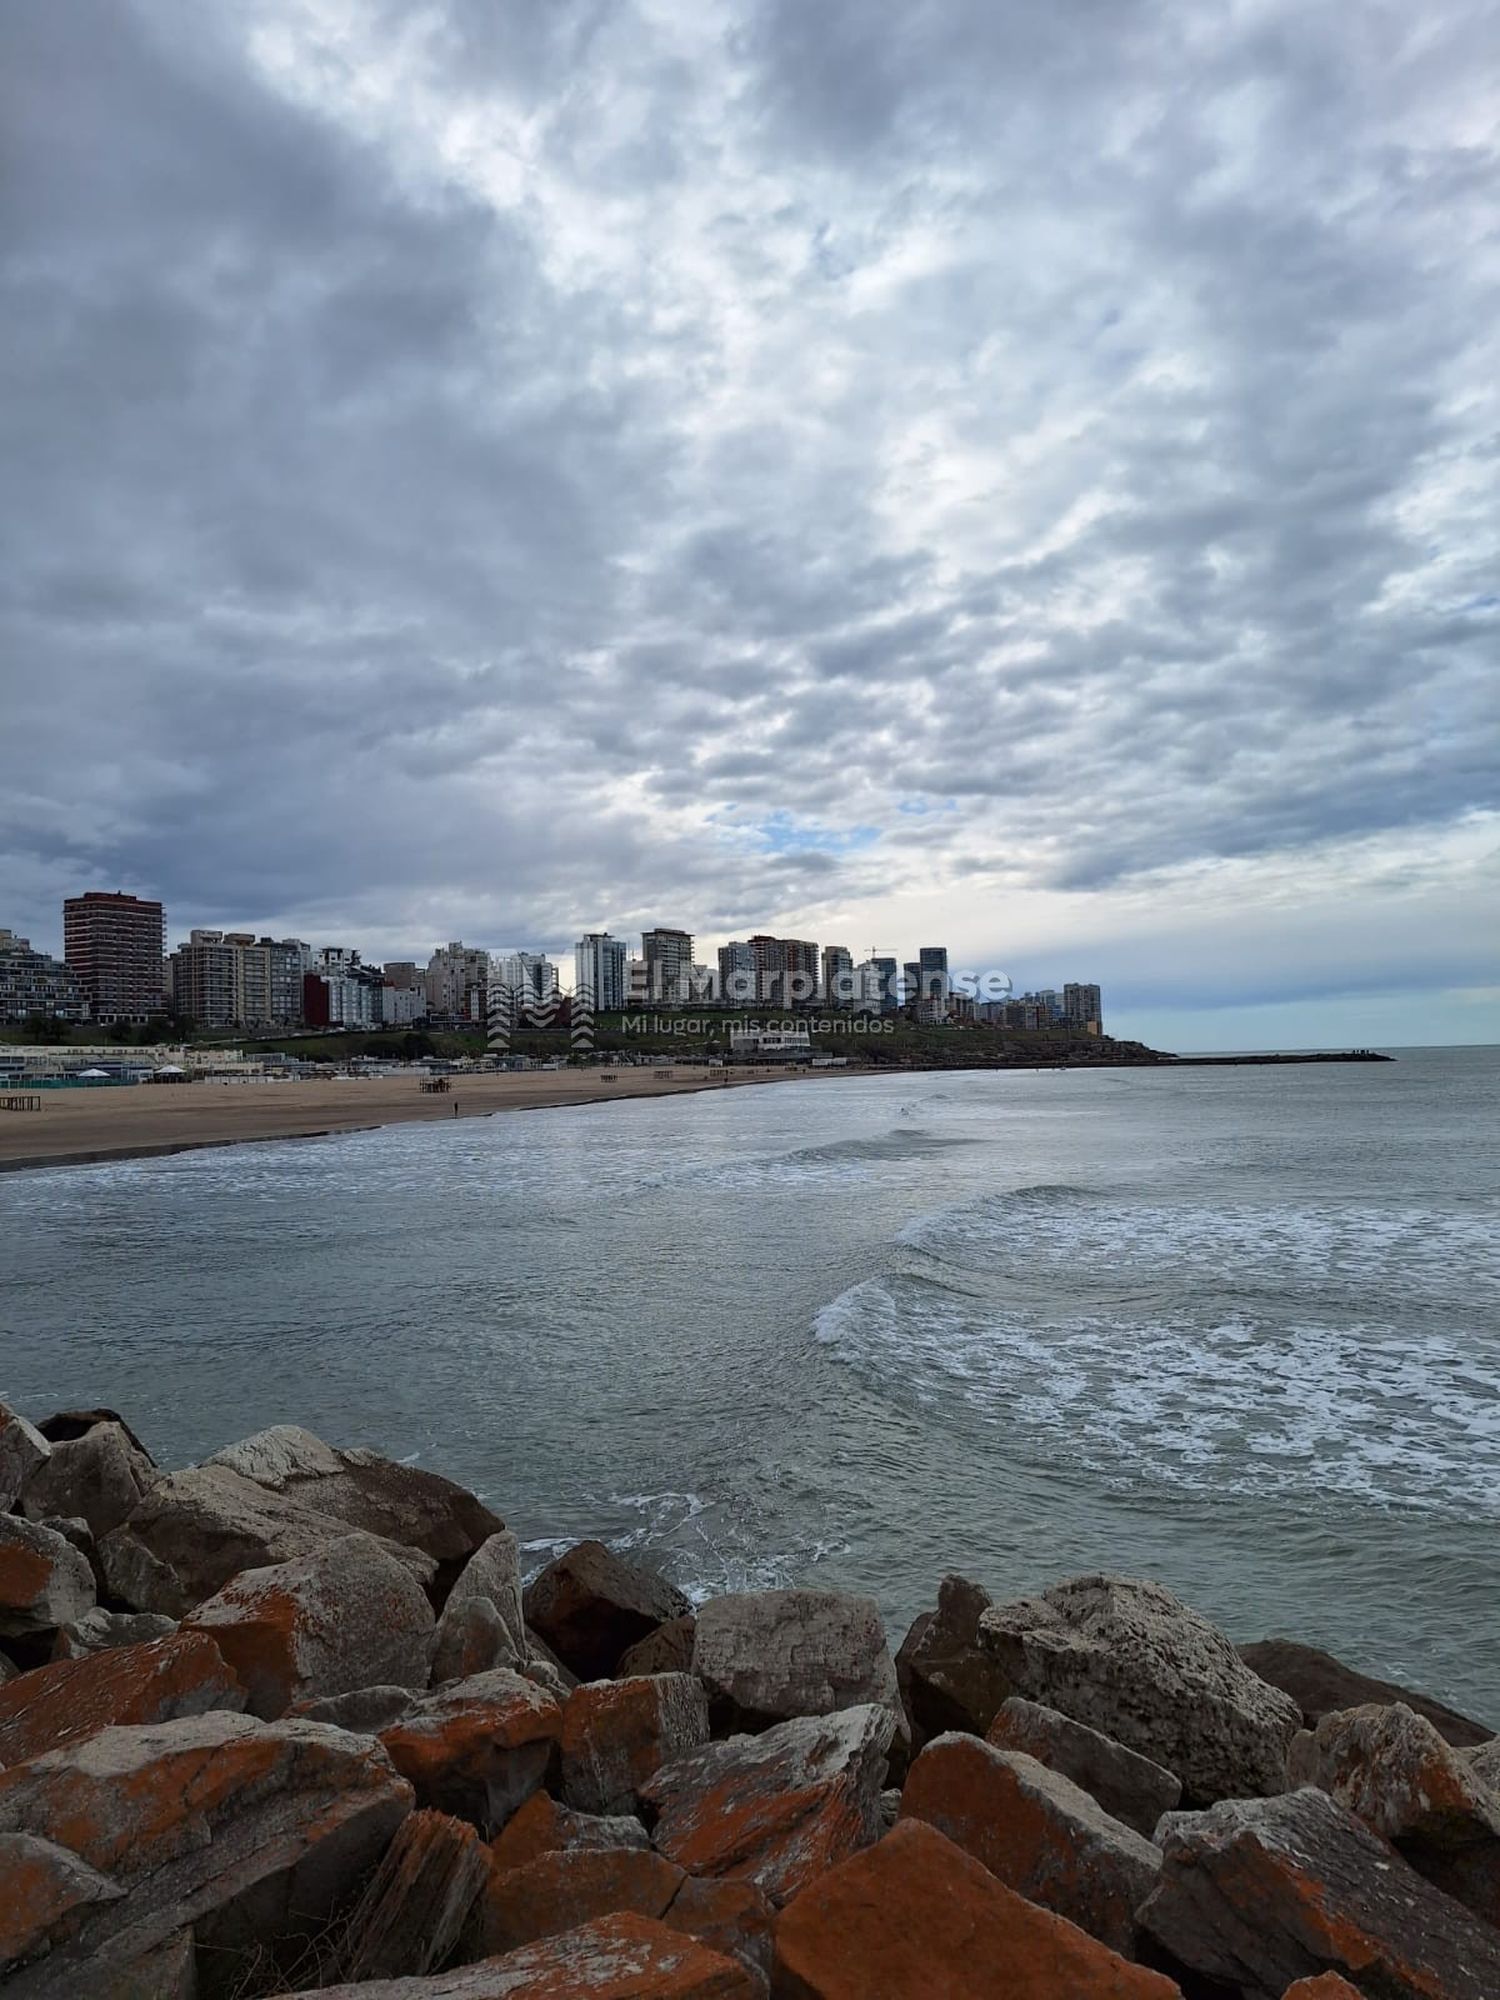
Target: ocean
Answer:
pixel 1236 1329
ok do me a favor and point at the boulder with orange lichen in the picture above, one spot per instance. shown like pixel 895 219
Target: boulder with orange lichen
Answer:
pixel 1258 1893
pixel 184 1674
pixel 915 1917
pixel 776 1809
pixel 617 1734
pixel 478 1748
pixel 346 1616
pixel 250 1833
pixel 623 1957
pixel 1042 1835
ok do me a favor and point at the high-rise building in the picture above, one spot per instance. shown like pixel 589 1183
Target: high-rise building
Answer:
pixel 403 973
pixel 115 945
pixel 457 982
pixel 786 970
pixel 33 985
pixel 599 971
pixel 888 977
pixel 529 977
pixel 736 974
pixel 669 965
pixel 911 983
pixel 932 971
pixel 838 976
pixel 233 979
pixel 1083 1008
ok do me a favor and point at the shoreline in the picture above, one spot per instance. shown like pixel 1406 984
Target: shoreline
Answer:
pixel 89 1128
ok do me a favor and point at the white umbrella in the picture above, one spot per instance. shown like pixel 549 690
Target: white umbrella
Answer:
pixel 93 1072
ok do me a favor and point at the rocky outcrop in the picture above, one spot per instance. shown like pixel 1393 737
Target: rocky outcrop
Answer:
pixel 1131 1660
pixel 777 1809
pixel 323 1624
pixel 483 1625
pixel 47 1892
pixel 1258 1893
pixel 545 1826
pixel 1393 1770
pixel 157 1682
pixel 561 1890
pixel 1320 1684
pixel 623 1957
pixel 245 1831
pixel 397 1503
pixel 947 1679
pixel 1130 1787
pixel 97 1631
pixel 590 1605
pixel 916 1917
pixel 23 1452
pixel 412 1912
pixel 768 1655
pixel 1037 1832
pixel 667 1650
pixel 197 1530
pixel 477 1748
pixel 618 1734
pixel 97 1477
pixel 44 1581
pixel 431 1807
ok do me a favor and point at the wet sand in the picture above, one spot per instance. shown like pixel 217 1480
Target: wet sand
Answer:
pixel 83 1127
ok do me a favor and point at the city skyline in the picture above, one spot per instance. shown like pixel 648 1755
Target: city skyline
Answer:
pixel 710 460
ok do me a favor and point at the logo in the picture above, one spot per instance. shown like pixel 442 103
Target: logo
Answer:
pixel 581 1024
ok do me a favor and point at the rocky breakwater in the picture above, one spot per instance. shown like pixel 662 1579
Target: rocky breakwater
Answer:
pixel 288 1722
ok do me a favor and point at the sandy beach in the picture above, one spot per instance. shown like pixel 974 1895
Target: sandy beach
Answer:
pixel 84 1127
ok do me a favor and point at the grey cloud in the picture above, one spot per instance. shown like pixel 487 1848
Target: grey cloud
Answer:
pixel 476 507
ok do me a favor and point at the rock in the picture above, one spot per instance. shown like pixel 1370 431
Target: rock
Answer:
pixel 482 1624
pixel 540 1654
pixel 478 1748
pixel 23 1451
pixel 1128 1786
pixel 97 1631
pixel 8 1669
pixel 590 1605
pixel 169 1971
pixel 947 1679
pixel 1319 1684
pixel 1484 1761
pixel 249 1832
pixel 777 1808
pixel 98 1478
pixel 413 1911
pixel 1327 1986
pixel 667 1650
pixel 1131 1660
pixel 44 1581
pixel 624 1957
pixel 397 1503
pixel 545 1826
pixel 345 1617
pixel 916 1917
pixel 69 1699
pixel 1041 1834
pixel 616 1734
pixel 559 1891
pixel 768 1655
pixel 45 1893
pixel 1257 1893
pixel 196 1530
pixel 1393 1770
pixel 364 1711
pixel 734 1918
pixel 64 1426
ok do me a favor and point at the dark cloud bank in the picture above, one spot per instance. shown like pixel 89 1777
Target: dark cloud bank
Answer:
pixel 1026 474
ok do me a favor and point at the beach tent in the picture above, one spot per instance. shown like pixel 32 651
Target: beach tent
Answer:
pixel 92 1075
pixel 171 1069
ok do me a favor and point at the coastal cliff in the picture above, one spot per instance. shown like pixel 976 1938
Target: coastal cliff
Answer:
pixel 292 1721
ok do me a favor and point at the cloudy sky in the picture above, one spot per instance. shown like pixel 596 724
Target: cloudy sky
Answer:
pixel 967 472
